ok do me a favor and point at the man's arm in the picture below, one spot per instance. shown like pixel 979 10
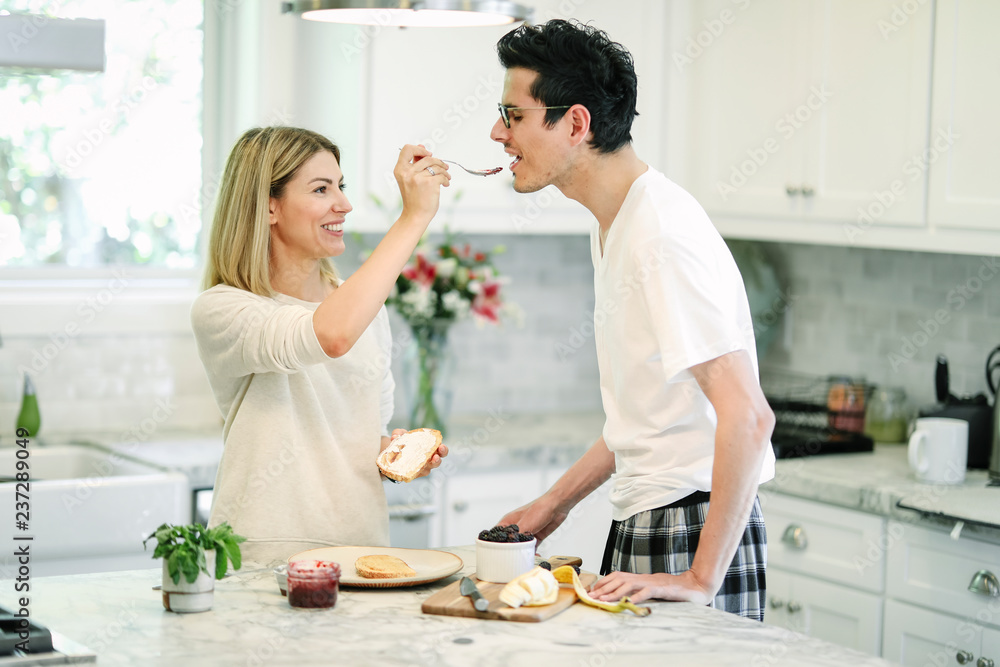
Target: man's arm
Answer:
pixel 543 515
pixel 745 422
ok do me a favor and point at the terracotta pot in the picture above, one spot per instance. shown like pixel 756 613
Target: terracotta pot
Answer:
pixel 184 597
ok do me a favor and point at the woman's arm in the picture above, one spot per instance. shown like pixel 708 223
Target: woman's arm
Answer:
pixel 344 315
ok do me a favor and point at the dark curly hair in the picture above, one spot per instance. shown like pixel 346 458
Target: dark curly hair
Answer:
pixel 577 64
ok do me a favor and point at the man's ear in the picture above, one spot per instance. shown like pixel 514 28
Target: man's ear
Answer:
pixel 579 119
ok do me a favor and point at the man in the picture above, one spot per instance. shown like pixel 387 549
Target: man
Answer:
pixel 675 345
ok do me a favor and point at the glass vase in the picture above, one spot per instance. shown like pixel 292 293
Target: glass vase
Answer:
pixel 428 372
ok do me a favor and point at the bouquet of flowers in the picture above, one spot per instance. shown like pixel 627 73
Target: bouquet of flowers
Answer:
pixel 447 283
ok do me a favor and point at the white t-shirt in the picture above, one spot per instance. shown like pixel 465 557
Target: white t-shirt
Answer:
pixel 302 430
pixel 668 297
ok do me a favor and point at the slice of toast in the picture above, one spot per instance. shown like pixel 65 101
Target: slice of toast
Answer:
pixel 380 566
pixel 408 454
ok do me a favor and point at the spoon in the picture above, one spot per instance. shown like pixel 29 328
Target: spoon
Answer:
pixel 476 172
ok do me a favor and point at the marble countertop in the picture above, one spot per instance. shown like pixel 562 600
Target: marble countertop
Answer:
pixel 121 618
pixel 881 482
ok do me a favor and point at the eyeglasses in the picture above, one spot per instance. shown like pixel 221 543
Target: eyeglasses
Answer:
pixel 506 118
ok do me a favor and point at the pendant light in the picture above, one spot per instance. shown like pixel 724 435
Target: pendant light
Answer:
pixel 411 13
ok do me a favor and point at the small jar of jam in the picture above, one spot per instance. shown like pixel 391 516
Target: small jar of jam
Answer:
pixel 313 583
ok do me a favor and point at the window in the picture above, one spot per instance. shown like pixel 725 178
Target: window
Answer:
pixel 104 168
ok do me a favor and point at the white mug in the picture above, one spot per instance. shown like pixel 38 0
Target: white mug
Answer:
pixel 939 450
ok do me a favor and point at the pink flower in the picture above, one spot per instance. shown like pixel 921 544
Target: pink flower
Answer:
pixel 487 302
pixel 421 272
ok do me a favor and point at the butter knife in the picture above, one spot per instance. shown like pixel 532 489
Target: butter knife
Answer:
pixel 468 588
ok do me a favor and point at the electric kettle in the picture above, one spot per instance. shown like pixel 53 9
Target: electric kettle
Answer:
pixel 993 382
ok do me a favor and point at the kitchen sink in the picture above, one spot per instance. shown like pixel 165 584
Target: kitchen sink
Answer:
pixel 75 461
pixel 88 508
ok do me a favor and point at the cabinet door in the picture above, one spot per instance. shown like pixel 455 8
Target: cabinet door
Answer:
pixel 832 543
pixel 871 126
pixel 779 594
pixel 965 172
pixel 918 637
pixel 585 531
pixel 990 650
pixel 837 614
pixel 929 568
pixel 476 501
pixel 737 73
pixel 804 109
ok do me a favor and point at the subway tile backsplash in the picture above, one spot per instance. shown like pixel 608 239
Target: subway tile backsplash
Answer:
pixel 878 313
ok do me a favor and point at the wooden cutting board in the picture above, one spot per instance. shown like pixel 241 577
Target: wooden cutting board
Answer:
pixel 450 602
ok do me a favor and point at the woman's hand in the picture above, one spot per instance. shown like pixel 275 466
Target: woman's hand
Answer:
pixel 420 177
pixel 435 461
pixel 683 587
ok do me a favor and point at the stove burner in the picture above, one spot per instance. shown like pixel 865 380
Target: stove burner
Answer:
pixel 40 646
pixel 18 631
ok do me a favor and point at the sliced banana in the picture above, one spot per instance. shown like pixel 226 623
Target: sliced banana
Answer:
pixel 532 589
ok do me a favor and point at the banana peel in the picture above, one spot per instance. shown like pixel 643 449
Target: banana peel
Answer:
pixel 567 575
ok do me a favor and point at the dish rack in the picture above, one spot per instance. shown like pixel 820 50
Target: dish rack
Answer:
pixel 817 414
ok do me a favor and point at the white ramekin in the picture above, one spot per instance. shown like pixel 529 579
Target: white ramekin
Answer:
pixel 499 562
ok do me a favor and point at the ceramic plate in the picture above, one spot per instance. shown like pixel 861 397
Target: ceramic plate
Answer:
pixel 430 565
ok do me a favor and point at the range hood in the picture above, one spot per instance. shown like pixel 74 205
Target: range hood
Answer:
pixel 43 43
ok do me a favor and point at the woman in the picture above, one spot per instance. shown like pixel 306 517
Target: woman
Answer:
pixel 299 359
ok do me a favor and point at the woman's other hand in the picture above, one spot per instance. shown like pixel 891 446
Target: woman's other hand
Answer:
pixel 420 177
pixel 435 461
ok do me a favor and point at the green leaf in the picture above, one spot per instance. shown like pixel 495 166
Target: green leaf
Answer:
pixel 220 561
pixel 233 552
pixel 191 564
pixel 173 567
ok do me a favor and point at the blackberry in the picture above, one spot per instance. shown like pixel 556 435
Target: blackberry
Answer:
pixel 545 565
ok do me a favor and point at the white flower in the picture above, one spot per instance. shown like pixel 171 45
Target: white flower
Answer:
pixel 420 301
pixel 446 267
pixel 455 303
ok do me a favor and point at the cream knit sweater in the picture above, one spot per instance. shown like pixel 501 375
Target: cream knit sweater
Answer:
pixel 302 431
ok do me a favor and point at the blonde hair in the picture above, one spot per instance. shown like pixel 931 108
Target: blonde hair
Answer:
pixel 259 167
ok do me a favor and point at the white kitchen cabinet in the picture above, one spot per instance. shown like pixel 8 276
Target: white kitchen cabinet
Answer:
pixel 932 617
pixel 928 568
pixel 803 109
pixel 832 543
pixel 826 569
pixel 965 173
pixel 920 637
pixel 826 611
pixel 474 501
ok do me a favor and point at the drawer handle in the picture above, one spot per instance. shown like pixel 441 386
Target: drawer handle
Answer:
pixel 985 583
pixel 776 603
pixel 984 662
pixel 460 506
pixel 795 536
pixel 794 607
pixel 792 190
pixel 964 657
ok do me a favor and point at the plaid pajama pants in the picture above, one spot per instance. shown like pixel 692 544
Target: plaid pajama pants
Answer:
pixel 665 539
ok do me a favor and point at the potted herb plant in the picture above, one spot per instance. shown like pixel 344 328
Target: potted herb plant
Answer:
pixel 191 555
